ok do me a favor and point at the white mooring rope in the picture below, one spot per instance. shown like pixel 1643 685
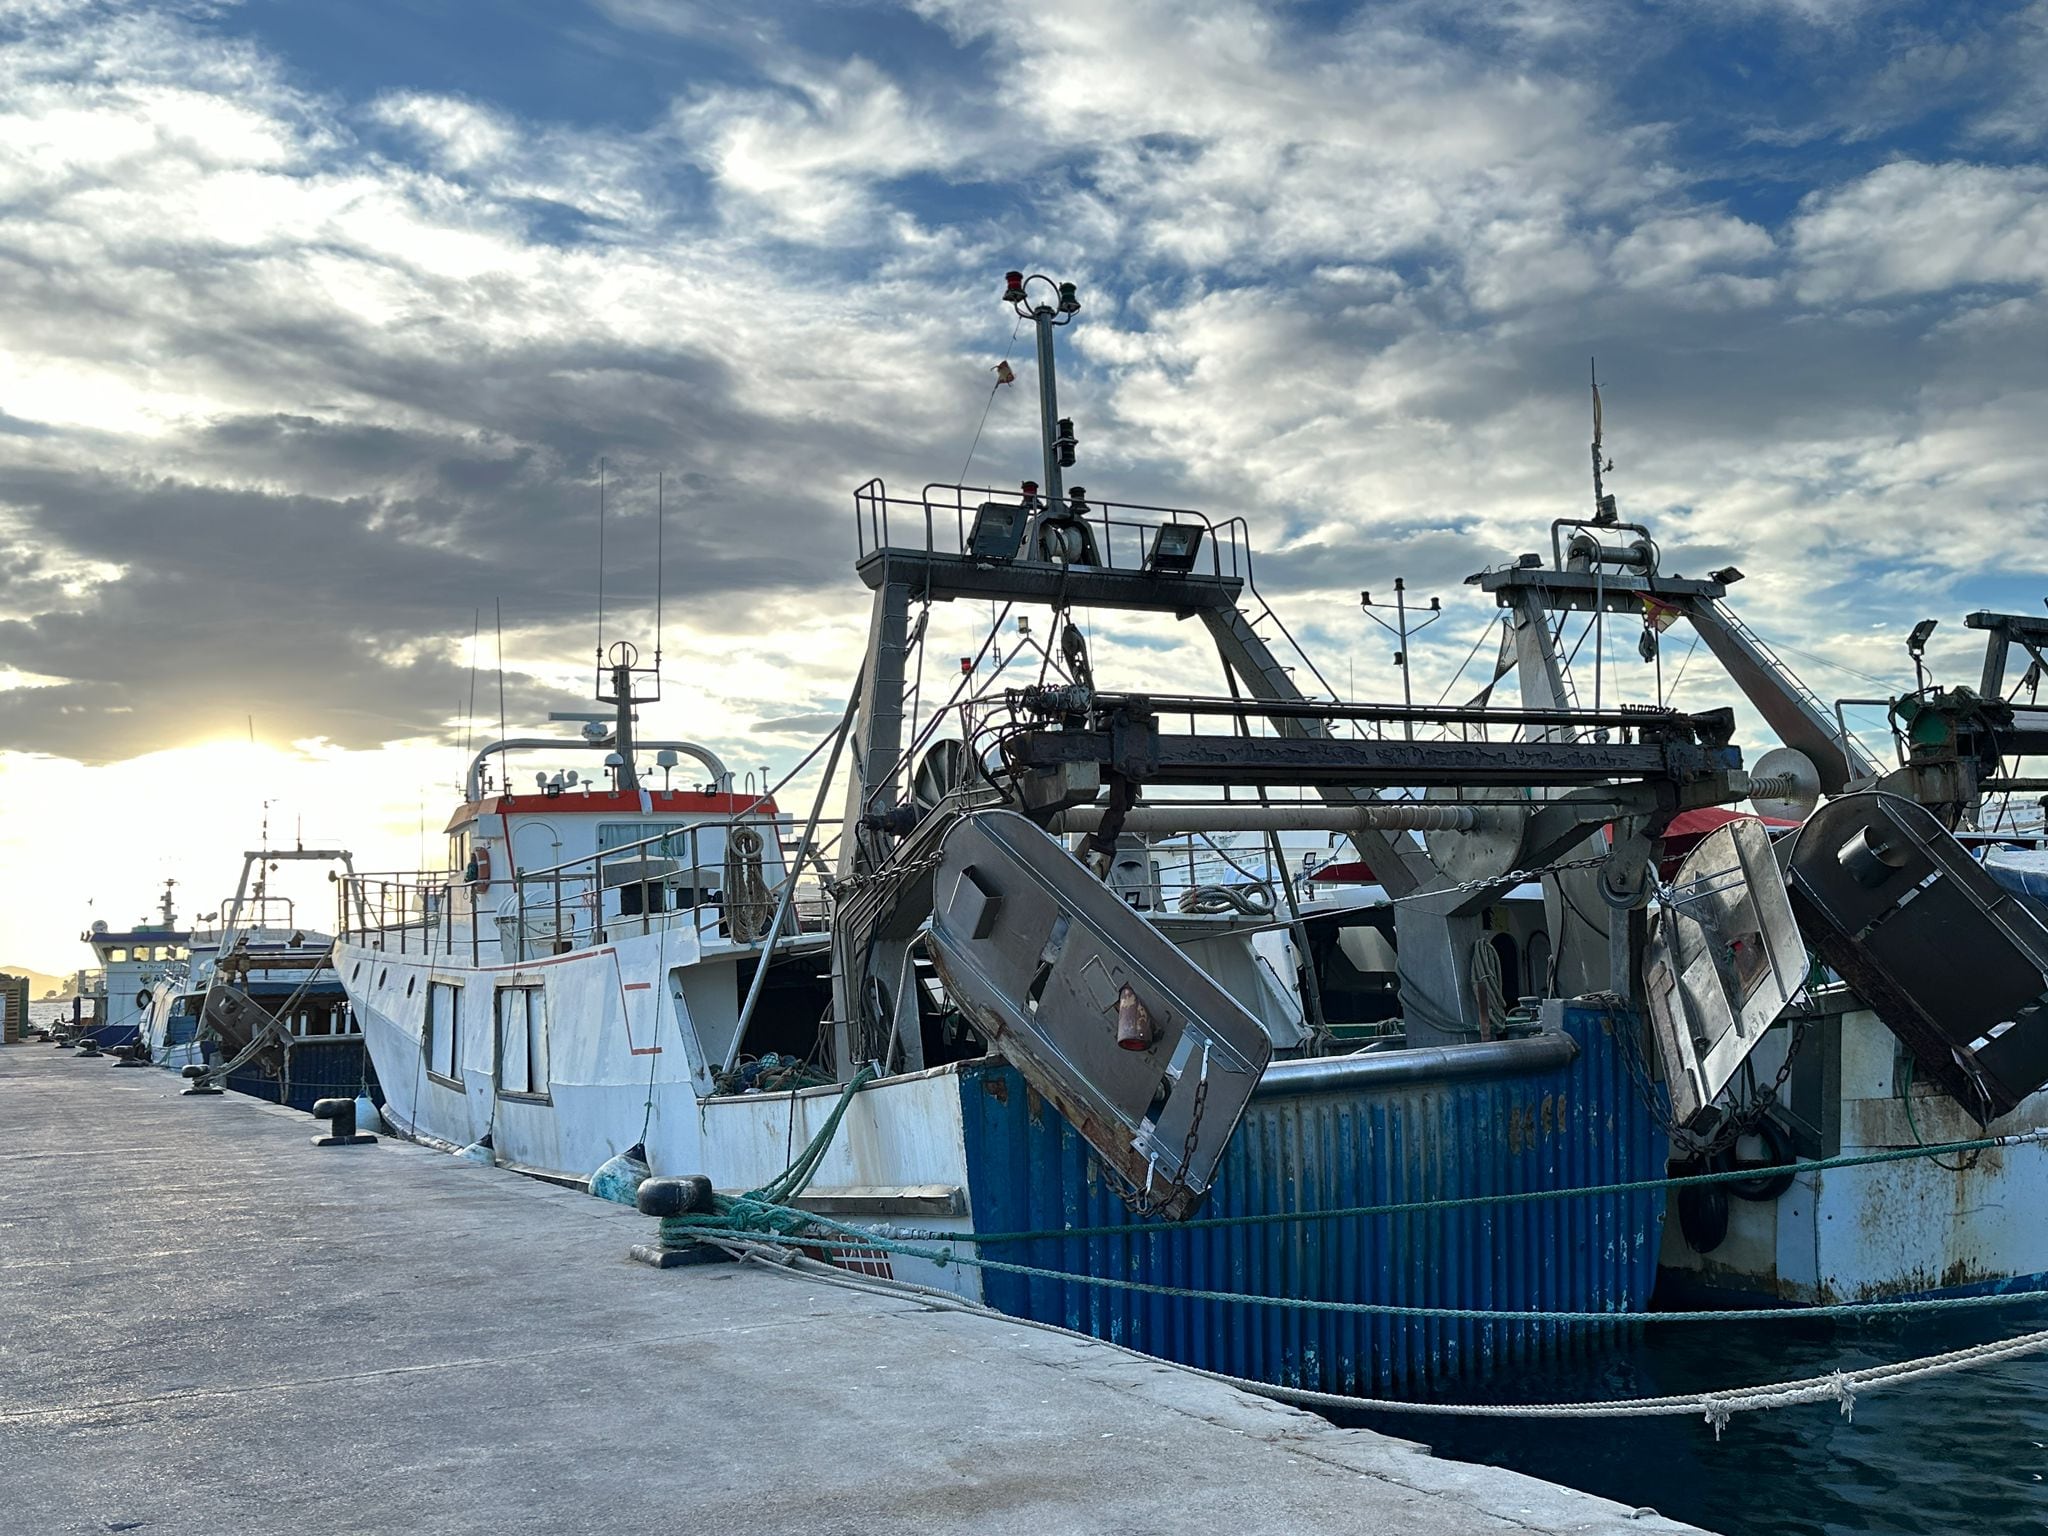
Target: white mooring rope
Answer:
pixel 1716 1408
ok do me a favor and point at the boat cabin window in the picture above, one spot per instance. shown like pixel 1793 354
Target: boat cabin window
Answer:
pixel 117 956
pixel 442 1037
pixel 522 1041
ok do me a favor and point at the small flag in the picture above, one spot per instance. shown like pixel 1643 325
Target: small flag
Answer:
pixel 1004 375
pixel 1658 616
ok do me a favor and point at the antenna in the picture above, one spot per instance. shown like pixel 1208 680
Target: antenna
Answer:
pixel 660 518
pixel 498 613
pixel 1603 504
pixel 476 624
pixel 600 562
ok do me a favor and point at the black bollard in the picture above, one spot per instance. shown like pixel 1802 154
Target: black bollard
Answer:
pixel 89 1047
pixel 342 1112
pixel 198 1085
pixel 676 1197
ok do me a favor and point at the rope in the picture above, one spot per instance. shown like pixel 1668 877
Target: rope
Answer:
pixel 765 1212
pixel 747 903
pixel 787 1226
pixel 1507 1197
pixel 1716 1407
pixel 1252 899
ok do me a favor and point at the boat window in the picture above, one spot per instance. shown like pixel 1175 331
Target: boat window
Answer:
pixel 117 957
pixel 675 842
pixel 522 1041
pixel 442 1037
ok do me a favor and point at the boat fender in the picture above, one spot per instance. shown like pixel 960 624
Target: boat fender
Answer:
pixel 480 1151
pixel 620 1176
pixel 367 1118
pixel 1703 1208
pixel 1778 1156
pixel 142 998
pixel 674 1197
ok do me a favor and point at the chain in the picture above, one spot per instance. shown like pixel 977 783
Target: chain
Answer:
pixel 1139 1202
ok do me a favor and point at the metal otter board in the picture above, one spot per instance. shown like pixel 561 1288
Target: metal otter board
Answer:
pixel 1955 965
pixel 1724 959
pixel 1053 966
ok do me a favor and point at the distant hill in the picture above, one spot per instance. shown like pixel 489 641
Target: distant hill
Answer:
pixel 39 982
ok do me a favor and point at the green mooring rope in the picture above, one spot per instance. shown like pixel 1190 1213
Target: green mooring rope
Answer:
pixel 766 1211
pixel 1507 1197
pixel 863 1241
pixel 764 1215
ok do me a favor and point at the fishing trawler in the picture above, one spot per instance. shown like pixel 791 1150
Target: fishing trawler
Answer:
pixel 113 1004
pixel 1055 1037
pixel 1922 1023
pixel 255 1004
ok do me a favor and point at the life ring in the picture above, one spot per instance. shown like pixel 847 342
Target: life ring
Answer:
pixel 480 868
pixel 142 998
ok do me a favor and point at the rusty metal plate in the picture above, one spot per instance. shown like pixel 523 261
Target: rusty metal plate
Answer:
pixel 1054 967
pixel 1724 959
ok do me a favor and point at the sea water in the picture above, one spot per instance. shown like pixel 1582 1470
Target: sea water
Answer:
pixel 1957 1455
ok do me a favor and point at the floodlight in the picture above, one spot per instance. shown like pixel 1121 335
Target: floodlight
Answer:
pixel 1174 549
pixel 998 531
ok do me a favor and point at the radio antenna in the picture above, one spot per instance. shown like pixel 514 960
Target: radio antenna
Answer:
pixel 498 611
pixel 660 519
pixel 600 562
pixel 1603 504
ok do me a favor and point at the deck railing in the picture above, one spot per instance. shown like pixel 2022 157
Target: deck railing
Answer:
pixel 940 519
pixel 643 887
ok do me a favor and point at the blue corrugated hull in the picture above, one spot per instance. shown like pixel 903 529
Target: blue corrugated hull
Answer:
pixel 1565 1127
pixel 320 1069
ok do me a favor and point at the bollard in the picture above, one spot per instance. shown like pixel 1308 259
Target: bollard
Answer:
pixel 89 1047
pixel 136 1055
pixel 342 1112
pixel 676 1197
pixel 195 1077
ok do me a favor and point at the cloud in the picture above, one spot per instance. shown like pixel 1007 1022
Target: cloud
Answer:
pixel 1911 228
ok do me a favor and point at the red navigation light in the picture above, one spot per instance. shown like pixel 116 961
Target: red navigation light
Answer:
pixel 1013 293
pixel 1030 487
pixel 966 666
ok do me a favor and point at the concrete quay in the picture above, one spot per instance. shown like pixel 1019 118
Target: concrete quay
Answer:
pixel 207 1325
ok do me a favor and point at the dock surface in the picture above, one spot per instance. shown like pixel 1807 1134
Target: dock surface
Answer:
pixel 207 1325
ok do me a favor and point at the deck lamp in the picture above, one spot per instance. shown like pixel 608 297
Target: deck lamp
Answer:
pixel 1174 548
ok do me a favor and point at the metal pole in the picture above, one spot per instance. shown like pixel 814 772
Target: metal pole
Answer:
pixel 788 896
pixel 1407 689
pixel 1048 406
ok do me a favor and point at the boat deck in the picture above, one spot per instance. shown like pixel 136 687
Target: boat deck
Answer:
pixel 212 1326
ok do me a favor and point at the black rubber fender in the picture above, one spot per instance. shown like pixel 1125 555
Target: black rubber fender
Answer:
pixel 1777 1175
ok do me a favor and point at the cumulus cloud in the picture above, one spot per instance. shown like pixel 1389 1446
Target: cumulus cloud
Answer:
pixel 295 378
pixel 1912 228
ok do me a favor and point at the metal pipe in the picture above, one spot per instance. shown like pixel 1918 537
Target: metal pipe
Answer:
pixel 1169 818
pixel 790 873
pixel 1386 1069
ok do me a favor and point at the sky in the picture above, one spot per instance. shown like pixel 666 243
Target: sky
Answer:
pixel 318 321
